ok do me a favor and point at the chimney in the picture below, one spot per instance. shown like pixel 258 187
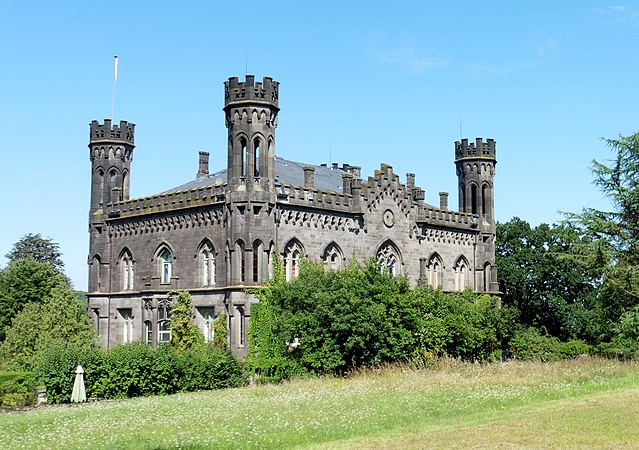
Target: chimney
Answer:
pixel 347 183
pixel 309 177
pixel 443 201
pixel 410 180
pixel 203 169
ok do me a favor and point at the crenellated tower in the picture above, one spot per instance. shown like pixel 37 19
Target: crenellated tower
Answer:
pixel 251 111
pixel 475 164
pixel 111 152
pixel 251 118
pixel 476 172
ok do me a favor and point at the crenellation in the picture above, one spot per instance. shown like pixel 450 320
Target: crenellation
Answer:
pixel 107 132
pixel 236 92
pixel 478 149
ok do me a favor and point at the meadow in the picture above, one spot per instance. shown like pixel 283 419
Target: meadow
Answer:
pixel 581 403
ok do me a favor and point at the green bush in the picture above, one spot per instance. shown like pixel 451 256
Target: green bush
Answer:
pixel 362 317
pixel 17 389
pixel 530 344
pixel 135 370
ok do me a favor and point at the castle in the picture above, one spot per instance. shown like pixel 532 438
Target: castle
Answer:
pixel 218 234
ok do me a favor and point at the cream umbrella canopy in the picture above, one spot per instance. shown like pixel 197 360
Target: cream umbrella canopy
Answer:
pixel 79 394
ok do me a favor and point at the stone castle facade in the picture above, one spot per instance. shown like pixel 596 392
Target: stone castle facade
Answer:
pixel 218 234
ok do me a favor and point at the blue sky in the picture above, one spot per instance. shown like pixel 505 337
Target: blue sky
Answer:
pixel 361 83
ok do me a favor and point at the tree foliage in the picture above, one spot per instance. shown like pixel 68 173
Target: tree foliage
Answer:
pixel 184 334
pixel 36 247
pixel 538 278
pixel 612 237
pixel 331 322
pixel 59 320
pixel 26 281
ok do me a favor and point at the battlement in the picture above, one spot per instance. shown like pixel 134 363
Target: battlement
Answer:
pixel 112 133
pixel 477 150
pixel 237 92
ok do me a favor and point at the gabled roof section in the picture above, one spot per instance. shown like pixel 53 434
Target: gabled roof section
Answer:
pixel 286 172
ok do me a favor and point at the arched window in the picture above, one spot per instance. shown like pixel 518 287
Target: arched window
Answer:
pixel 473 199
pixel 484 209
pixel 461 274
pixel 292 256
pixel 207 264
pixel 462 198
pixel 164 324
pixel 435 272
pixel 487 276
pixel 126 270
pixel 258 251
pixel 112 177
pixel 125 192
pixel 148 332
pixel 388 258
pixel 166 266
pixel 243 155
pixel 256 157
pixel 96 273
pixel 332 257
pixel 101 181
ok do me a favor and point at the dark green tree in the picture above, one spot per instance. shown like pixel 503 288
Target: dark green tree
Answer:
pixel 612 245
pixel 537 277
pixel 26 281
pixel 36 247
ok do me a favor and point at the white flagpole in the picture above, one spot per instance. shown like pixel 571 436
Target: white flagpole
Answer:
pixel 115 81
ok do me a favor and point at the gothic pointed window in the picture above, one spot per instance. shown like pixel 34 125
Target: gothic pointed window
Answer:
pixel 435 272
pixel 148 332
pixel 101 181
pixel 112 187
pixel 256 157
pixel 461 274
pixel 258 252
pixel 473 199
pixel 388 259
pixel 166 266
pixel 292 257
pixel 243 154
pixel 332 257
pixel 126 270
pixel 164 324
pixel 207 265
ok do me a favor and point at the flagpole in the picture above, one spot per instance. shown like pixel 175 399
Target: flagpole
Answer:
pixel 115 81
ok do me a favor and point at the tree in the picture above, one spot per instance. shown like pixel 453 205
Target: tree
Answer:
pixel 550 291
pixel 184 334
pixel 611 243
pixel 36 247
pixel 26 281
pixel 59 320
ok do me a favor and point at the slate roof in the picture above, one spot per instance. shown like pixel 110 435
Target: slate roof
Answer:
pixel 286 172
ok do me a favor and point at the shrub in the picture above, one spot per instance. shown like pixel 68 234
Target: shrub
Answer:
pixel 530 344
pixel 134 370
pixel 17 389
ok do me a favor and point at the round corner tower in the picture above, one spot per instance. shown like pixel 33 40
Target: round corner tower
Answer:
pixel 251 111
pixel 475 164
pixel 111 151
pixel 251 118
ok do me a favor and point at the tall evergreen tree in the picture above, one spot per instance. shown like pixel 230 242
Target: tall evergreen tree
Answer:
pixel 36 247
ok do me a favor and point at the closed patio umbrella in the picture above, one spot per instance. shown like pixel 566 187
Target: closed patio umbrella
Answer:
pixel 79 394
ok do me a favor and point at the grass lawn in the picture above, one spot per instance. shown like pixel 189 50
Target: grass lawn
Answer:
pixel 585 403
